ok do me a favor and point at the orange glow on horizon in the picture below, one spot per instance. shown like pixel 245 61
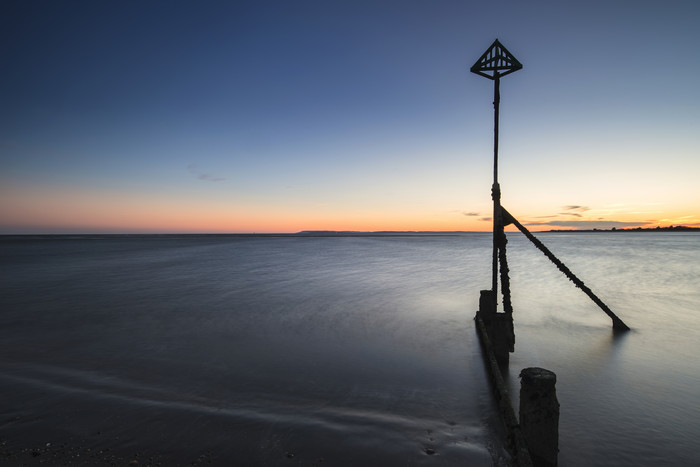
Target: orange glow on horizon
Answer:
pixel 61 209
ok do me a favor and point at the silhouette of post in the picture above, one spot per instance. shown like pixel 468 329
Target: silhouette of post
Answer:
pixel 539 415
pixel 495 188
pixel 497 61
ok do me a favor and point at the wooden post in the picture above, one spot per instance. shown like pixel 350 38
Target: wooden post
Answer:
pixel 515 440
pixel 539 415
pixel 499 326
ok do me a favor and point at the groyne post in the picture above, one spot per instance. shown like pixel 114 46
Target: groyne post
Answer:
pixel 515 442
pixel 539 415
pixel 498 326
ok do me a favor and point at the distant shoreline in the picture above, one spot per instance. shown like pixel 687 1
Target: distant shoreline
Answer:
pixel 345 233
pixel 672 228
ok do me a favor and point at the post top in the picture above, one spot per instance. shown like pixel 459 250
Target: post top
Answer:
pixel 538 376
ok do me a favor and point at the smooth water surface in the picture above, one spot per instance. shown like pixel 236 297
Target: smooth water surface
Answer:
pixel 344 350
pixel 630 398
pixel 357 351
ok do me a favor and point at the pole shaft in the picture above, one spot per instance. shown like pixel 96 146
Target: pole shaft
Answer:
pixel 495 190
pixel 496 102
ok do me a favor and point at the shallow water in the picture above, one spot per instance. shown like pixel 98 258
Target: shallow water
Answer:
pixel 350 350
pixel 629 399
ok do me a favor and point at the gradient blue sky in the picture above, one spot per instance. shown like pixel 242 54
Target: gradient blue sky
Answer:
pixel 280 116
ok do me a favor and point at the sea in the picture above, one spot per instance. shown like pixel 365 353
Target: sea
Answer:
pixel 341 350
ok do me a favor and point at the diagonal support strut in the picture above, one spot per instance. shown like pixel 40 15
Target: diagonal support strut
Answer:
pixel 618 324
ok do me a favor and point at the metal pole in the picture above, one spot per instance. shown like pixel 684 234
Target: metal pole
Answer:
pixel 495 189
pixel 496 102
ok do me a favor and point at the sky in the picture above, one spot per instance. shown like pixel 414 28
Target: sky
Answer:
pixel 283 116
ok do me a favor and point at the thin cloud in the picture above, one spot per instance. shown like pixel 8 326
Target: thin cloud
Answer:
pixel 203 176
pixel 470 214
pixel 575 208
pixel 210 178
pixel 599 224
pixel 489 219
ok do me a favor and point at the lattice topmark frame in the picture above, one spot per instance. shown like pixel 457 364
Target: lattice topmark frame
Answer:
pixel 497 61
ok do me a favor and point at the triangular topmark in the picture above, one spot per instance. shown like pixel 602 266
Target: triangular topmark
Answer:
pixel 497 61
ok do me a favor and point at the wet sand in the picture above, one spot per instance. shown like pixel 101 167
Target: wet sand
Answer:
pixel 53 424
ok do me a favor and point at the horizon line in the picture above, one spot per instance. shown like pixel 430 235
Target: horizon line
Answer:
pixel 348 232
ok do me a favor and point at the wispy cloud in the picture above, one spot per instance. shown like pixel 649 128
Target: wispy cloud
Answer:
pixel 203 176
pixel 595 224
pixel 489 219
pixel 470 214
pixel 574 210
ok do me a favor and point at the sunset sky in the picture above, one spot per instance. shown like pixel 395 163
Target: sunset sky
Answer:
pixel 281 116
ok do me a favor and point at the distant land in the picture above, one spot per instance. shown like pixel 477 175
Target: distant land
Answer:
pixel 671 228
pixel 345 233
pixel 332 233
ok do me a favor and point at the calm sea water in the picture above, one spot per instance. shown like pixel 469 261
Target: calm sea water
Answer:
pixel 343 350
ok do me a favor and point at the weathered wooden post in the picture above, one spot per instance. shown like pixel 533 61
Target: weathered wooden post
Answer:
pixel 539 415
pixel 499 327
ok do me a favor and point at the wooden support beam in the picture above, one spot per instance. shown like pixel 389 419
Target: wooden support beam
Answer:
pixel 618 324
pixel 516 441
